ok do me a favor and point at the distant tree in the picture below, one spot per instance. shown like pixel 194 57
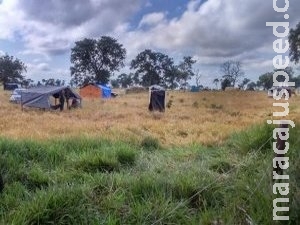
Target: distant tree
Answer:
pixel 58 82
pixel 226 83
pixel 115 83
pixel 216 82
pixel 185 70
pixel 265 80
pixel 94 60
pixel 198 76
pixel 151 67
pixel 27 83
pixel 232 71
pixel 244 83
pixel 296 80
pixel 294 44
pixel 125 80
pixel 11 69
pixel 251 86
pixel 171 77
pixel 50 82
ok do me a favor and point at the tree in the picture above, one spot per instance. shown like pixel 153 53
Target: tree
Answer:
pixel 251 86
pixel 265 80
pixel 232 71
pixel 225 83
pixel 114 83
pixel 216 82
pixel 95 60
pixel 244 83
pixel 27 83
pixel 151 68
pixel 197 77
pixel 294 44
pixel 125 80
pixel 11 69
pixel 185 70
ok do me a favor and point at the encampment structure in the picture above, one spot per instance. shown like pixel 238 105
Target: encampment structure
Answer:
pixel 278 89
pixel 45 97
pixel 95 91
pixel 11 86
pixel 157 98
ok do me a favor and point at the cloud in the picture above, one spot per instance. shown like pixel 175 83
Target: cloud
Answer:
pixel 212 31
pixel 53 26
pixel 152 19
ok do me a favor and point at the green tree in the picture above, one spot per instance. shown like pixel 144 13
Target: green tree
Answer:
pixel 114 83
pixel 294 42
pixel 251 86
pixel 232 71
pixel 265 80
pixel 125 80
pixel 151 67
pixel 11 69
pixel 244 83
pixel 226 83
pixel 216 82
pixel 95 60
pixel 185 70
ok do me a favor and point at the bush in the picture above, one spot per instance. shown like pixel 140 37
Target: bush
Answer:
pixel 126 156
pixel 150 143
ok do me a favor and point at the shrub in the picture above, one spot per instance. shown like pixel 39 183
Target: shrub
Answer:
pixel 169 104
pixel 196 104
pixel 126 156
pixel 150 143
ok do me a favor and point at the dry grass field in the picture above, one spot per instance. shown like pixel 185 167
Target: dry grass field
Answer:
pixel 113 162
pixel 205 117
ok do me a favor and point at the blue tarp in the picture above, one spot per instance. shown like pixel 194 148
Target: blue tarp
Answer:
pixel 106 91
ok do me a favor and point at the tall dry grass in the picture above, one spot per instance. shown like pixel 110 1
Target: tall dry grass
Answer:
pixel 204 117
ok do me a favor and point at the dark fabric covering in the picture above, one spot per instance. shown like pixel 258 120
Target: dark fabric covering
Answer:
pixel 11 86
pixel 157 99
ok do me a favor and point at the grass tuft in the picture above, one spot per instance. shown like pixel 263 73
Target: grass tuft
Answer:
pixel 150 143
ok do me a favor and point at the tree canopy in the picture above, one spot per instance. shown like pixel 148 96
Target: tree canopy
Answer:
pixel 232 72
pixel 11 69
pixel 294 41
pixel 95 60
pixel 157 68
pixel 151 67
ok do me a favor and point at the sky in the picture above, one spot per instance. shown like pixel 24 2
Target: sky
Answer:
pixel 41 33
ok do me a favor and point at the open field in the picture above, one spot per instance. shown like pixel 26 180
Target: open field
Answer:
pixel 207 160
pixel 204 117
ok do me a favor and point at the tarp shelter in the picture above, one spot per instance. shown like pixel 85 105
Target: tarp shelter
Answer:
pixel 11 86
pixel 157 98
pixel 39 97
pixel 95 91
pixel 278 89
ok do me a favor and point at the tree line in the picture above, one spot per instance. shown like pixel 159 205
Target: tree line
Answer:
pixel 97 60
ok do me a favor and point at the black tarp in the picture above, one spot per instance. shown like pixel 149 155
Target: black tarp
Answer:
pixel 157 98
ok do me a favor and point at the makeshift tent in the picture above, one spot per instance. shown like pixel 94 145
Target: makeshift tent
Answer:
pixel 157 98
pixel 278 89
pixel 11 86
pixel 95 91
pixel 39 97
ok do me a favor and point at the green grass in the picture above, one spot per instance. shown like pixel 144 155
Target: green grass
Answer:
pixel 94 181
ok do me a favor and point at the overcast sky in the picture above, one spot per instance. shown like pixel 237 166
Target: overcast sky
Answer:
pixel 42 32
